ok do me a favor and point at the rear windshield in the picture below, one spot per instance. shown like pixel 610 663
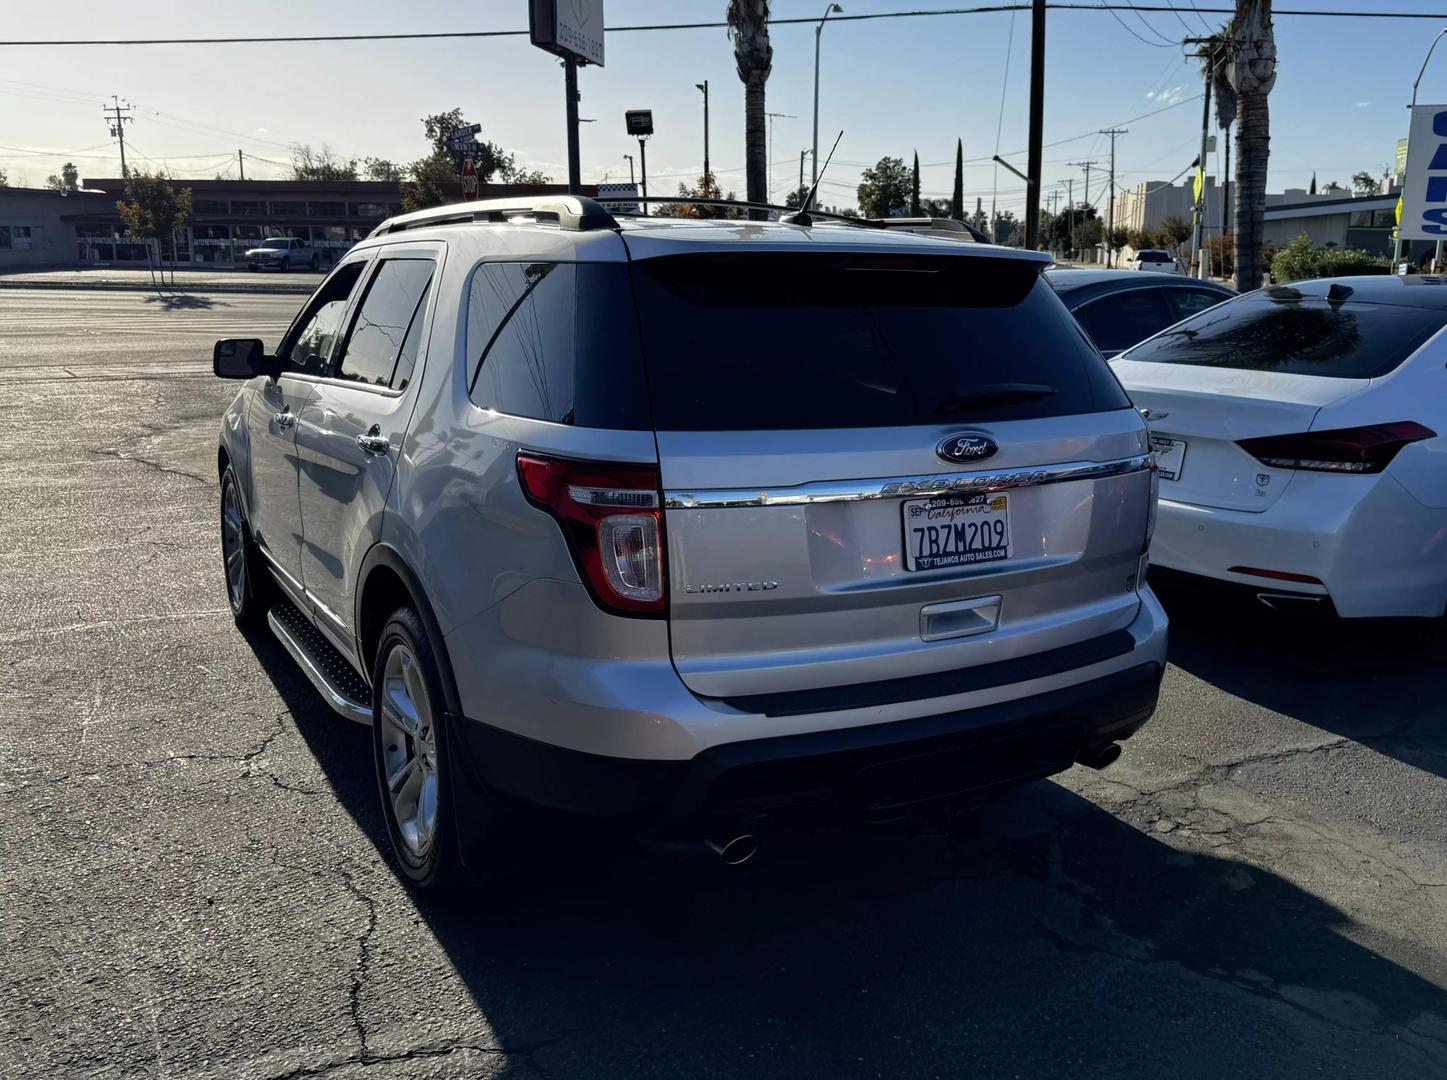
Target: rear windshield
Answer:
pixel 750 342
pixel 1153 256
pixel 1307 336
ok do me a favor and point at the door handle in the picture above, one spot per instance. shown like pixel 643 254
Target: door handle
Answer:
pixel 374 442
pixel 284 419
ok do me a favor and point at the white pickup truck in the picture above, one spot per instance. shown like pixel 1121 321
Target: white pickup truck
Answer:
pixel 282 253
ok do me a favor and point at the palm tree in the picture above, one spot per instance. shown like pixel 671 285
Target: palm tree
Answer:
pixel 1251 71
pixel 748 22
pixel 1215 60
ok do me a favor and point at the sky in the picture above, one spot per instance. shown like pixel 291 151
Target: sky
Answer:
pixel 893 86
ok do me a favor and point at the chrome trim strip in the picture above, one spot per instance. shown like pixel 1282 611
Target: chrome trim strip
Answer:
pixel 900 486
pixel 340 703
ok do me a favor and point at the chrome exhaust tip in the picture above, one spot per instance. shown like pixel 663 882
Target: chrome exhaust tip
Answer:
pixel 1099 757
pixel 1290 602
pixel 734 850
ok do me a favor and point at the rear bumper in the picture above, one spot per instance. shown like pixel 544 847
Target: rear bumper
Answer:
pixel 869 771
pixel 1376 549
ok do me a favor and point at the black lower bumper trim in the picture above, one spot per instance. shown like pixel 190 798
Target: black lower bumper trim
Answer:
pixel 868 770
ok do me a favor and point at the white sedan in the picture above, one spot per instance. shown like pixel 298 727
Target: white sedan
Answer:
pixel 1296 436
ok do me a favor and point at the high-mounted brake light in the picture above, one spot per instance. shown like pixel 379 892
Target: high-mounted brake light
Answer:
pixel 611 519
pixel 1368 449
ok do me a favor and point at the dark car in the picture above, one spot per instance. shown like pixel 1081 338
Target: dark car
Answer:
pixel 1119 308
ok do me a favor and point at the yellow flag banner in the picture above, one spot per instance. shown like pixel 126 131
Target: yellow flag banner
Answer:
pixel 1199 184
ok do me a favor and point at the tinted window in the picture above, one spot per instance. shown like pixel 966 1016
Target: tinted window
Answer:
pixel 321 323
pixel 1153 256
pixel 558 342
pixel 382 331
pixel 747 342
pixel 1299 337
pixel 1119 320
pixel 1187 302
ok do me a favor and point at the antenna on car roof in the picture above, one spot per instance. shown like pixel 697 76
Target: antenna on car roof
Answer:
pixel 802 216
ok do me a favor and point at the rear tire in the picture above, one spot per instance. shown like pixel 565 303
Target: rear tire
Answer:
pixel 316 262
pixel 285 265
pixel 412 752
pixel 247 584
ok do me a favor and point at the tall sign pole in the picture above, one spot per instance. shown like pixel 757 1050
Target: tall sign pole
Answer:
pixel 572 30
pixel 1037 123
pixel 640 126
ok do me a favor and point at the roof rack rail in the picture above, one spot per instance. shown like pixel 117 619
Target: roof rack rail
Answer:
pixel 740 204
pixel 572 213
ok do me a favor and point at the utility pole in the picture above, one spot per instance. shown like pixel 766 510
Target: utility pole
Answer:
pixel 643 170
pixel 241 163
pixel 1069 183
pixel 704 87
pixel 1199 224
pixel 801 174
pixel 1110 213
pixel 771 115
pixel 570 88
pixel 119 116
pixel 1087 166
pixel 1037 124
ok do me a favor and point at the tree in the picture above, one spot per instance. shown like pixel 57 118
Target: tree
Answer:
pixel 935 208
pixel 1332 185
pixel 1005 226
pixel 797 197
pixel 884 189
pixel 428 179
pixel 381 169
pixel 1364 183
pixel 706 188
pixel 68 180
pixel 1140 239
pixel 511 174
pixel 1252 73
pixel 4 178
pixel 154 209
pixel 1312 190
pixel 1087 232
pixel 748 23
pixel 1116 239
pixel 427 183
pixel 1175 231
pixel 957 198
pixel 320 164
pixel 914 188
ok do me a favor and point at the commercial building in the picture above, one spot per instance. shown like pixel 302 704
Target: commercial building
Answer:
pixel 1148 204
pixel 50 228
pixel 1363 221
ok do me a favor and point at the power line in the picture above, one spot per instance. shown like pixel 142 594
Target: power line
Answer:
pixel 984 9
pixel 1129 30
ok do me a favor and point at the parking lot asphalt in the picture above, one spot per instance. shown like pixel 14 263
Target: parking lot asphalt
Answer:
pixel 193 878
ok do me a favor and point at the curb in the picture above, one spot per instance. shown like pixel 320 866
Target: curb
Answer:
pixel 259 288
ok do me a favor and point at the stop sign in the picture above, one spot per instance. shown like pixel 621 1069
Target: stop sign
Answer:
pixel 469 179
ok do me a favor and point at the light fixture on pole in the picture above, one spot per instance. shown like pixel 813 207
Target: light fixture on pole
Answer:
pixel 832 9
pixel 640 126
pixel 703 87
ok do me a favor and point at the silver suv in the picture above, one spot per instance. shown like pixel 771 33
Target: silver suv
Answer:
pixel 691 523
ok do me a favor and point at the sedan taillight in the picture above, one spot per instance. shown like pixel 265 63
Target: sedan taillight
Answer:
pixel 1367 449
pixel 611 519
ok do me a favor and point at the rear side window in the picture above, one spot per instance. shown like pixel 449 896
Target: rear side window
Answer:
pixel 557 342
pixel 1306 336
pixel 778 341
pixel 383 345
pixel 1118 320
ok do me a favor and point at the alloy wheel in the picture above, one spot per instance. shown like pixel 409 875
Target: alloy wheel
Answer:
pixel 233 547
pixel 409 750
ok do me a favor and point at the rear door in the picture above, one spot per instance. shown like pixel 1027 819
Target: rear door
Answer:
pixel 351 428
pixel 882 466
pixel 1263 364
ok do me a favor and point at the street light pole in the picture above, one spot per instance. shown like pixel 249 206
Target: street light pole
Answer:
pixel 1037 124
pixel 704 87
pixel 832 9
pixel 631 178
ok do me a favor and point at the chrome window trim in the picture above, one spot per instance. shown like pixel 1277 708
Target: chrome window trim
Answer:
pixel 898 487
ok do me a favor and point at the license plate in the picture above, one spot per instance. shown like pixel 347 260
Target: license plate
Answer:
pixel 956 530
pixel 1170 456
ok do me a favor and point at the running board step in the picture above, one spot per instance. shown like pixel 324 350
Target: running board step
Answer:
pixel 329 671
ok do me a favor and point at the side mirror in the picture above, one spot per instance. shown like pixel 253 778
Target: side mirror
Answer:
pixel 241 358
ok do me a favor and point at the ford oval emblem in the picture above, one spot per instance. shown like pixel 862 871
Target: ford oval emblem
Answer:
pixel 966 447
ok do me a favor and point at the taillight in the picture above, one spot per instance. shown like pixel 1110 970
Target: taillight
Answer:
pixel 1368 449
pixel 611 519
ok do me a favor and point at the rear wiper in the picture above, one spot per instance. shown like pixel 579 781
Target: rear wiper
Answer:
pixel 988 395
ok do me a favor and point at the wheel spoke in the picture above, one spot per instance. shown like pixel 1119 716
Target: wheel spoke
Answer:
pixel 398 708
pixel 400 777
pixel 233 558
pixel 426 808
pixel 416 688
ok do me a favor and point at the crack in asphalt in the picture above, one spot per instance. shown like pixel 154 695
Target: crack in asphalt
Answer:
pixel 169 470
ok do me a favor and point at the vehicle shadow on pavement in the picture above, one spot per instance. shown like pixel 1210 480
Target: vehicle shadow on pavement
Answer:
pixel 185 302
pixel 1052 939
pixel 1377 681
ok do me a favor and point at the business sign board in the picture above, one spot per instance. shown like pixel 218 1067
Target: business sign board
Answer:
pixel 1424 187
pixel 618 198
pixel 568 28
pixel 1400 168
